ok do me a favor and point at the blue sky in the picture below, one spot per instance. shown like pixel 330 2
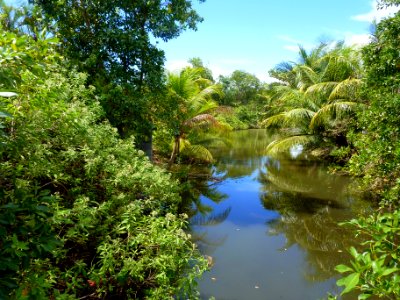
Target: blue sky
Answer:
pixel 256 35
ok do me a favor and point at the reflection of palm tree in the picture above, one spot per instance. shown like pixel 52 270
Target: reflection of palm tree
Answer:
pixel 320 93
pixel 236 160
pixel 310 203
pixel 195 182
pixel 210 219
pixel 200 237
pixel 320 236
pixel 199 183
pixel 204 215
pixel 299 177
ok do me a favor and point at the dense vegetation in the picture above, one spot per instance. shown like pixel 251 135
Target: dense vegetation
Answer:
pixel 316 98
pixel 335 106
pixel 375 270
pixel 85 213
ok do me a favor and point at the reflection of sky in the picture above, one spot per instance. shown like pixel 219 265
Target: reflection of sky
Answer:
pixel 249 262
pixel 244 199
pixel 251 265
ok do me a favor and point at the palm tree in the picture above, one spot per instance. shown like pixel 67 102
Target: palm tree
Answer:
pixel 321 92
pixel 192 106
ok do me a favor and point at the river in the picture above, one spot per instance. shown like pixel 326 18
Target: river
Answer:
pixel 270 225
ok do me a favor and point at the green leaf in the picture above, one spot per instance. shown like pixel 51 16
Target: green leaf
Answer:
pixel 353 252
pixel 350 282
pixel 343 269
pixel 389 271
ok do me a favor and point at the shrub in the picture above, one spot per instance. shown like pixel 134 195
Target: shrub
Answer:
pixel 83 213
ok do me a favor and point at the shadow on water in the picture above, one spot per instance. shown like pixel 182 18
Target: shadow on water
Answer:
pixel 270 223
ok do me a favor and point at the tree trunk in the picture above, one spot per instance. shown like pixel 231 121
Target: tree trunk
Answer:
pixel 147 145
pixel 175 150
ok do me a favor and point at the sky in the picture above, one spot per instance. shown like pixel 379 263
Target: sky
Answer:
pixel 256 35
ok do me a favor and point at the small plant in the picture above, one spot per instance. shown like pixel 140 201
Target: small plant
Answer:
pixel 376 269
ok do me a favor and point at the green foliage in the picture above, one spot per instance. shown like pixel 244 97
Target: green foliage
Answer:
pixel 204 72
pixel 25 236
pixel 241 91
pixel 113 43
pixel 375 270
pixel 377 158
pixel 386 3
pixel 242 117
pixel 83 213
pixel 232 121
pixel 240 88
pixel 190 110
pixel 316 97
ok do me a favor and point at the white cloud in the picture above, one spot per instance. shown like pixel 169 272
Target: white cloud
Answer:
pixel 289 39
pixel 176 65
pixel 293 48
pixel 376 14
pixel 294 43
pixel 357 39
pixel 218 70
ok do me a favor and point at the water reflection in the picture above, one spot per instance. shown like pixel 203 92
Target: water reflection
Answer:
pixel 311 203
pixel 197 182
pixel 243 153
pixel 277 226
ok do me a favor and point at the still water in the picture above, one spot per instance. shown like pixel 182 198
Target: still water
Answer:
pixel 271 224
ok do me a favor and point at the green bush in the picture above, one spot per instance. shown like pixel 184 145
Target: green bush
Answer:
pixel 83 213
pixel 375 270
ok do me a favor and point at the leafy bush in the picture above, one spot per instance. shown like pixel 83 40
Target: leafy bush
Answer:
pixel 83 213
pixel 376 269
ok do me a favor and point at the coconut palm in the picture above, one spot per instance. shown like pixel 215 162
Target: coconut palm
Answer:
pixel 192 107
pixel 322 92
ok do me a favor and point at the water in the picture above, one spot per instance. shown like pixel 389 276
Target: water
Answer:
pixel 272 233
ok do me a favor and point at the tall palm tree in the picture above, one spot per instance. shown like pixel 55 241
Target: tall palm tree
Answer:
pixel 322 92
pixel 192 105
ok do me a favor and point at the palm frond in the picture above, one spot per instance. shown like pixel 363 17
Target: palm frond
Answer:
pixel 292 118
pixel 181 84
pixel 346 89
pixel 333 111
pixel 183 144
pixel 306 76
pixel 201 120
pixel 299 115
pixel 207 93
pixel 213 141
pixel 322 89
pixel 284 67
pixel 284 145
pixel 274 121
pixel 341 66
pixel 198 152
pixel 203 107
pixel 287 95
pixel 203 81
